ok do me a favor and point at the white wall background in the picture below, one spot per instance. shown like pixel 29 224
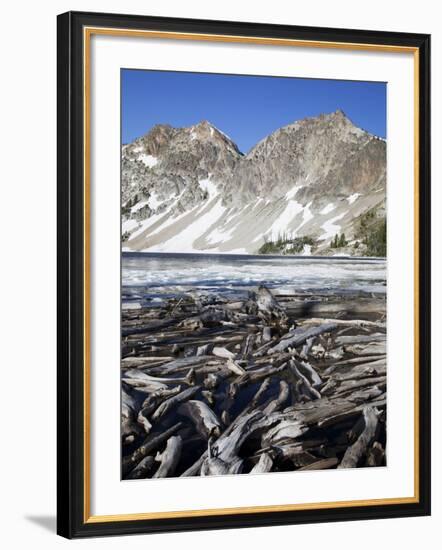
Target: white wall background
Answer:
pixel 27 285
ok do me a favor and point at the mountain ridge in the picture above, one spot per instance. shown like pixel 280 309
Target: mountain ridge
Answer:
pixel 191 189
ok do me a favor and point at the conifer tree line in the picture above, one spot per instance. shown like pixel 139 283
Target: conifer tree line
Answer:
pixel 339 241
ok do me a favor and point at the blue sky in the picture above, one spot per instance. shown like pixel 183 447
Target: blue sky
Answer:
pixel 246 108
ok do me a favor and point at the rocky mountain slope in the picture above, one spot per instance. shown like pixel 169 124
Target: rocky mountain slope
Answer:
pixel 192 190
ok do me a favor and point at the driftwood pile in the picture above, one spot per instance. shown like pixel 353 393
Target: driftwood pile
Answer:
pixel 212 386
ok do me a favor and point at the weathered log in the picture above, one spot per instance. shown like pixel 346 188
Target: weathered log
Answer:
pixel 173 401
pixel 262 350
pixel 253 403
pixel 335 353
pixel 307 369
pixel 143 469
pixel 268 307
pixel 149 328
pixel 360 339
pixel 204 350
pixel 266 335
pixel 209 396
pixel 322 464
pixel 251 377
pixel 195 469
pixel 208 318
pixel 130 430
pixel 140 362
pixel 184 364
pixel 361 323
pixel 315 412
pixel 222 352
pixel 247 346
pixel 214 466
pixel 289 451
pixel 362 361
pixel 374 348
pixel 348 411
pixel 227 446
pixel 223 457
pixel 205 420
pixel 322 308
pixel 366 395
pixel 143 419
pixel 348 386
pixel 235 368
pixel 283 431
pixel 306 348
pixel 364 370
pixel 225 418
pixel 299 336
pixel 151 443
pixel 153 400
pixel 234 306
pixel 355 452
pixel 141 382
pixel 140 376
pixel 264 464
pixel 304 385
pixel 375 455
pixel 277 403
pixel 169 458
pixel 260 392
pixel 211 381
pixel 357 360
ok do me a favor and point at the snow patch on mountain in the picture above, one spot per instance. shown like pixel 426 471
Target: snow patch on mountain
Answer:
pixel 307 215
pixel 128 225
pixel 184 240
pixel 330 227
pixel 351 199
pixel 280 225
pixel 292 192
pixel 149 160
pixel 139 206
pixel 153 201
pixel 209 187
pixel 327 209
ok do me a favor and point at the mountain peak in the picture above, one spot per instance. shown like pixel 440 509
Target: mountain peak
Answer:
pixel 204 124
pixel 339 115
pixel 159 128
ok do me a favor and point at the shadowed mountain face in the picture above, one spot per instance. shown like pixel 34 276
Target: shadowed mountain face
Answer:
pixel 192 190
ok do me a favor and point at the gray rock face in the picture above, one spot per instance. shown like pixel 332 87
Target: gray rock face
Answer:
pixel 190 189
pixel 168 163
pixel 327 155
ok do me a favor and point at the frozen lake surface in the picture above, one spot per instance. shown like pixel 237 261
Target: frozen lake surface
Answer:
pixel 148 278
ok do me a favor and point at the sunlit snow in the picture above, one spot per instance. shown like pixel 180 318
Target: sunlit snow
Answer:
pixel 330 227
pixel 208 186
pixel 148 160
pixel 327 209
pixel 351 199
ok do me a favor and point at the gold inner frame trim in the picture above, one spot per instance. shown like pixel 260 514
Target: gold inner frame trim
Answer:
pixel 87 34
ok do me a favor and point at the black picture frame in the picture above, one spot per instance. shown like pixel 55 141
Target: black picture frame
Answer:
pixel 72 392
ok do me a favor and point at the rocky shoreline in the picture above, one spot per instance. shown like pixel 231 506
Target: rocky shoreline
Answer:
pixel 214 385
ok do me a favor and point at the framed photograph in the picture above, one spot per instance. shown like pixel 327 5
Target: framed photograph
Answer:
pixel 243 274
